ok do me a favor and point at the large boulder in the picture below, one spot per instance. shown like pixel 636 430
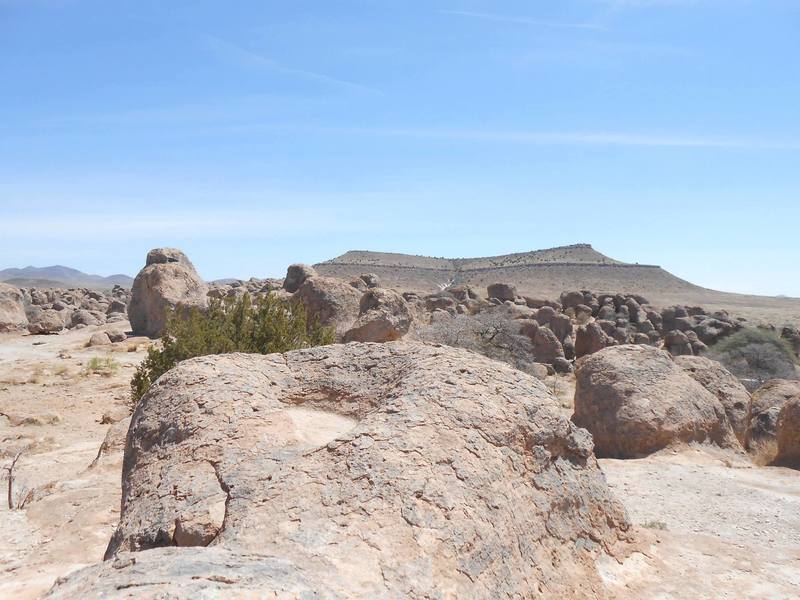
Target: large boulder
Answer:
pixel 167 281
pixel 296 276
pixel 502 291
pixel 384 316
pixel 546 346
pixel 591 338
pixel 788 434
pixel 12 309
pixel 767 402
pixel 44 321
pixel 330 302
pixel 396 470
pixel 635 400
pixel 729 391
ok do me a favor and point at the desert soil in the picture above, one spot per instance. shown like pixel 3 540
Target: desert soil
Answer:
pixel 712 525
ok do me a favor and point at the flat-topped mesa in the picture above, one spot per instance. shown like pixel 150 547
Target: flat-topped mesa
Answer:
pixel 568 255
pixel 539 273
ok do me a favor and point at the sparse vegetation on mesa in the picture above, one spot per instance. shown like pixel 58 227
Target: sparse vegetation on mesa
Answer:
pixel 262 325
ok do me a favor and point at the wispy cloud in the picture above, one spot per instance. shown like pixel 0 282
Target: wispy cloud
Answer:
pixel 580 138
pixel 250 59
pixel 519 20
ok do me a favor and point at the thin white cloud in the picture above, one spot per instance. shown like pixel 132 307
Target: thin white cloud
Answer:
pixel 579 138
pixel 247 58
pixel 521 20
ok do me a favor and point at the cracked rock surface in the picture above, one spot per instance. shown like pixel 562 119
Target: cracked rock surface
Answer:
pixel 398 470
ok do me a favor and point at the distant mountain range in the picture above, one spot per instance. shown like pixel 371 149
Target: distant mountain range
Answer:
pixel 61 276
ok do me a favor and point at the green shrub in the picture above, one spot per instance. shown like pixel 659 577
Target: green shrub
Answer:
pixel 756 355
pixel 261 326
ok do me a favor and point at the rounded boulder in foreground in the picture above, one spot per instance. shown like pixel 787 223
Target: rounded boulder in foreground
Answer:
pixel 635 401
pixel 396 470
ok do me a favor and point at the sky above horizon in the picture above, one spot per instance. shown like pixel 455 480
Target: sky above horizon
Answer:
pixel 256 134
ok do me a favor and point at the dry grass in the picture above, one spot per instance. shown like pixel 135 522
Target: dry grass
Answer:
pixel 102 366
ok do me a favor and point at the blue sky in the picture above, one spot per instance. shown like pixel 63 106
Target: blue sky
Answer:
pixel 255 134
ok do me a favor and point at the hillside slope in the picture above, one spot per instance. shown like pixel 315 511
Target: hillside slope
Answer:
pixel 547 273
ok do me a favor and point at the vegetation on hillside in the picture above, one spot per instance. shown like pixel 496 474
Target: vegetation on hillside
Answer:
pixel 262 325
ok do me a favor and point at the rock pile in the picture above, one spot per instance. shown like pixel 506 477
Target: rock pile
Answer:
pixel 50 310
pixel 356 471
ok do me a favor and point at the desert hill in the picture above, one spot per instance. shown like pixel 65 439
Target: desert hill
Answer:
pixel 61 276
pixel 547 273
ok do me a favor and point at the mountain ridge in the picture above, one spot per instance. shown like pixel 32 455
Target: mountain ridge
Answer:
pixel 60 275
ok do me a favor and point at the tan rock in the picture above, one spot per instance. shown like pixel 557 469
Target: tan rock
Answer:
pixel 99 338
pixel 12 309
pixel 384 316
pixel 767 402
pixel 729 391
pixel 331 302
pixel 788 435
pixel 296 275
pixel 168 280
pixel 635 400
pixel 396 470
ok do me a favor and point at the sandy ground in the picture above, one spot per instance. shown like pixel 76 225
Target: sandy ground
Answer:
pixel 718 527
pixel 711 524
pixel 52 408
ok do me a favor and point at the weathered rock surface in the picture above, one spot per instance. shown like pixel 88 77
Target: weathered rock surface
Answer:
pixel 99 338
pixel 384 316
pixel 767 402
pixel 729 391
pixel 788 437
pixel 44 321
pixel 168 280
pixel 502 291
pixel 635 400
pixel 296 276
pixel 332 302
pixel 591 338
pixel 12 309
pixel 395 470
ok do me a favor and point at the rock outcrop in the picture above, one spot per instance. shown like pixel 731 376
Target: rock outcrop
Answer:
pixel 767 402
pixel 635 400
pixel 167 281
pixel 44 321
pixel 788 437
pixel 502 292
pixel 729 391
pixel 296 276
pixel 395 470
pixel 384 316
pixel 331 302
pixel 12 309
